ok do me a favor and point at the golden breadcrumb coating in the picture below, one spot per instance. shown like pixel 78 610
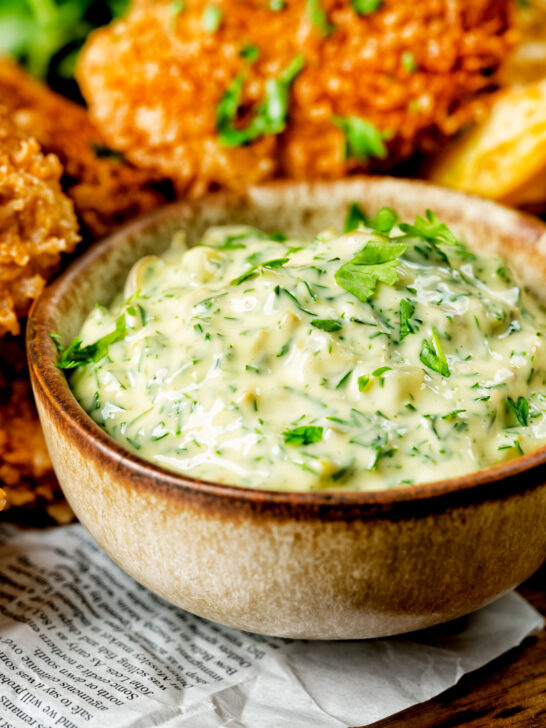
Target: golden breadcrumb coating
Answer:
pixel 26 474
pixel 105 190
pixel 415 70
pixel 37 222
pixel 527 62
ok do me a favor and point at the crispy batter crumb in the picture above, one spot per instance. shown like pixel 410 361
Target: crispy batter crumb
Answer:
pixel 37 222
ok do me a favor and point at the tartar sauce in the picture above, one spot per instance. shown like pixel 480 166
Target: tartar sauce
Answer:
pixel 361 361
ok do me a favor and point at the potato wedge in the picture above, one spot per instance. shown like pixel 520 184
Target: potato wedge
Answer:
pixel 504 157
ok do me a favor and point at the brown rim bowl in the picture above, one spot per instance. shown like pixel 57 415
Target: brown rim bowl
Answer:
pixel 306 565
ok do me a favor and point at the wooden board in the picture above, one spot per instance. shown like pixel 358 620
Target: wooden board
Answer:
pixel 509 692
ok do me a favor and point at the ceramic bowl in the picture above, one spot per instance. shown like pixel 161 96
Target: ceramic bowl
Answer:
pixel 312 565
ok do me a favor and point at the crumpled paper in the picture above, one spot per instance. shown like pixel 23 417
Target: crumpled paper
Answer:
pixel 82 644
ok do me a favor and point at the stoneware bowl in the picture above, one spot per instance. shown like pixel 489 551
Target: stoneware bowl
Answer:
pixel 308 565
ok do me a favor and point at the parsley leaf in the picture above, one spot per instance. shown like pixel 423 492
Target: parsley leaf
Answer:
pixel 101 151
pixel 520 409
pixel 252 271
pixel 46 35
pixel 408 61
pixel 432 355
pixel 211 18
pixel 407 309
pixel 433 232
pixel 270 116
pixel 430 228
pixel 77 356
pixel 362 139
pixel 232 242
pixel 295 300
pixel 383 222
pixel 305 435
pixel 355 218
pixel 366 7
pixel 274 263
pixel 327 324
pixel 175 9
pixel 376 263
pixel 363 382
pixel 343 381
pixel 250 52
pixel 318 17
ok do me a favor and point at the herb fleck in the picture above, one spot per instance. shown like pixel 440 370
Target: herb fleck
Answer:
pixel 520 409
pixel 327 324
pixel 432 355
pixel 362 139
pixel 366 7
pixel 75 355
pixel 211 18
pixel 305 435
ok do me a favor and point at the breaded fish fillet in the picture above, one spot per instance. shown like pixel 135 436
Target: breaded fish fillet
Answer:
pixel 37 222
pixel 211 94
pixel 106 191
pixel 26 473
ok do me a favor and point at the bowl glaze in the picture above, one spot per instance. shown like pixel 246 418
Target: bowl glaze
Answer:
pixel 304 565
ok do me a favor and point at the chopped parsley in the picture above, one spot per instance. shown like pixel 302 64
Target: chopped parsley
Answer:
pixel 175 9
pixel 408 61
pixel 520 409
pixel 250 52
pixel 343 381
pixel 270 116
pixel 382 223
pixel 376 263
pixel 298 304
pixel 305 435
pixel 75 355
pixel 407 309
pixel 433 357
pixel 318 17
pixel 431 230
pixel 363 140
pixel 435 396
pixel 253 270
pixel 101 151
pixel 355 218
pixel 327 324
pixel 366 7
pixel 211 18
pixel 363 382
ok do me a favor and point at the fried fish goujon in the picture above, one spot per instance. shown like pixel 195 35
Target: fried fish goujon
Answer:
pixel 37 222
pixel 106 191
pixel 302 88
pixel 26 474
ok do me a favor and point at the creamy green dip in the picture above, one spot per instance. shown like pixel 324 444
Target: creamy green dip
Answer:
pixel 360 361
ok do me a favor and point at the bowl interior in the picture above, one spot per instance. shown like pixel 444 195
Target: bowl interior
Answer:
pixel 295 209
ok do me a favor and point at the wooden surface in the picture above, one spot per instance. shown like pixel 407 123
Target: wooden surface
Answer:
pixel 507 693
